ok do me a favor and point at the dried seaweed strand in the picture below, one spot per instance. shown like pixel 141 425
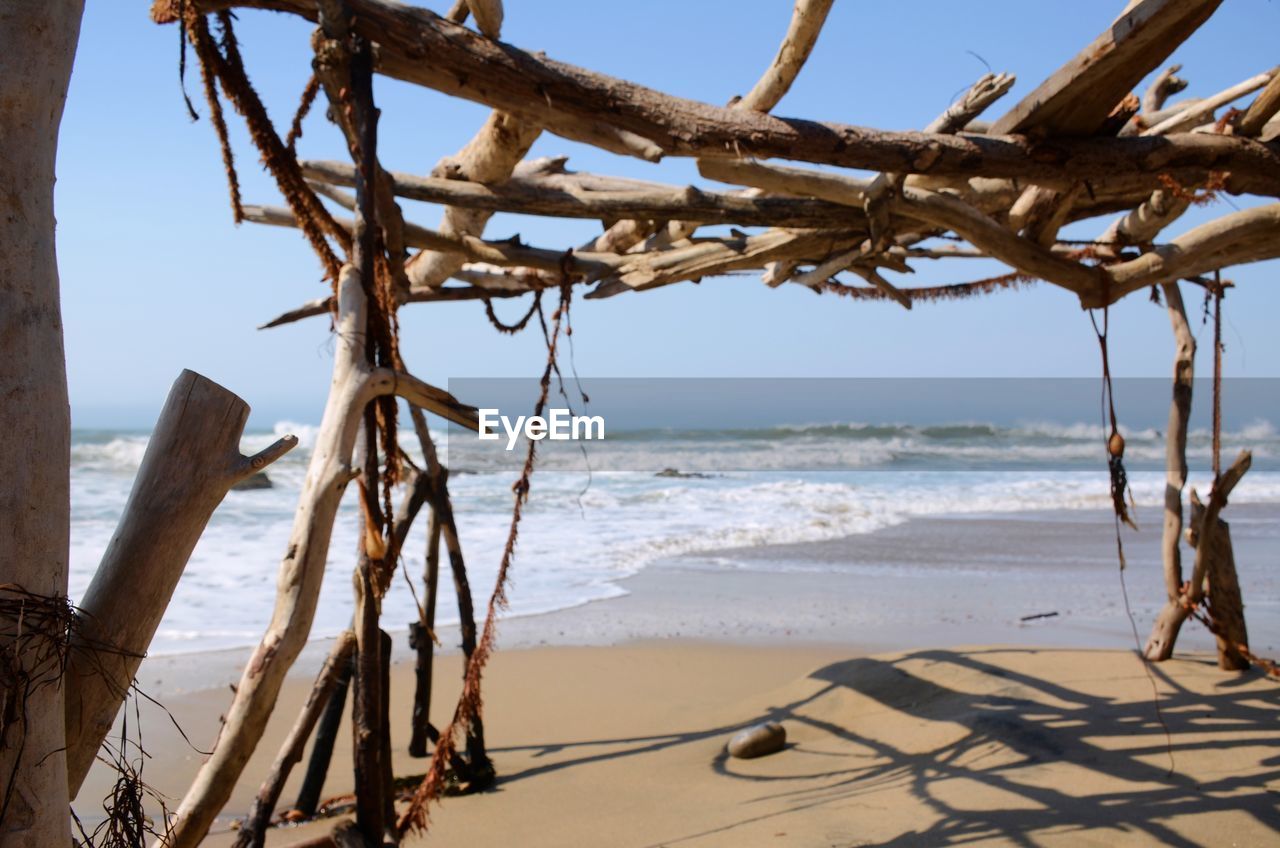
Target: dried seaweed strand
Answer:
pixel 470 704
pixel 931 294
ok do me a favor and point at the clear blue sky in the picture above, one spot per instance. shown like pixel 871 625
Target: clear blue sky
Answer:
pixel 156 278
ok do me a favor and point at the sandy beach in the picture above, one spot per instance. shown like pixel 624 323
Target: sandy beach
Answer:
pixel 913 717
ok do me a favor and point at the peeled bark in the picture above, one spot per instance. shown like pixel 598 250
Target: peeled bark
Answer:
pixel 191 462
pixel 37 47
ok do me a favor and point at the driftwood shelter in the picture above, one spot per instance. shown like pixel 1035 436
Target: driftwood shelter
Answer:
pixel 1083 145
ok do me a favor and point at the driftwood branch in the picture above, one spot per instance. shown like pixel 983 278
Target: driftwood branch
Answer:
pixel 506 254
pixel 1165 85
pixel 1261 110
pixel 1203 110
pixel 802 34
pixel 536 197
pixel 488 15
pixel 419 47
pixel 253 831
pixel 301 571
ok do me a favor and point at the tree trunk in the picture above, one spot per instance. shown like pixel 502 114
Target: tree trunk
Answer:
pixel 37 47
pixel 192 461
pixel 1164 633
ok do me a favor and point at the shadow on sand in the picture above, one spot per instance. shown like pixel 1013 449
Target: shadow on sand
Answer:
pixel 983 747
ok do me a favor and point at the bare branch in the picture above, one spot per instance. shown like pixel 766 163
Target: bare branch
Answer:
pixel 806 23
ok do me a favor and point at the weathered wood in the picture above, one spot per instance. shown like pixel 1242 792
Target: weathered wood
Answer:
pixel 537 197
pixel 1203 110
pixel 308 800
pixel 422 636
pixel 489 157
pixel 1261 110
pixel 1250 235
pixel 807 19
pixel 366 705
pixel 37 46
pixel 302 570
pixel 253 831
pixel 1077 98
pixel 488 15
pixel 1225 602
pixel 420 47
pixel 1166 84
pixel 1141 225
pixel 889 289
pixel 1207 526
pixel 442 505
pixel 1164 633
pixel 507 254
pixel 191 462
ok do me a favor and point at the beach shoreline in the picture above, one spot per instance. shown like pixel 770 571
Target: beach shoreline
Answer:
pixel 706 637
pixel 928 581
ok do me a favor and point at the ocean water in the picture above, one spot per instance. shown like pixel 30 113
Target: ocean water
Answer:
pixel 584 531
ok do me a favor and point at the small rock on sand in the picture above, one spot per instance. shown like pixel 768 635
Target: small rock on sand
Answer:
pixel 758 741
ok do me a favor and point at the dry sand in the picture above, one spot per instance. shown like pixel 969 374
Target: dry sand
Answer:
pixel 623 746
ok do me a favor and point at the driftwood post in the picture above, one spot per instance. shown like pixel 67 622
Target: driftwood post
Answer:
pixel 1164 632
pixel 308 800
pixel 422 635
pixel 1210 537
pixel 478 763
pixel 191 462
pixel 1226 605
pixel 302 570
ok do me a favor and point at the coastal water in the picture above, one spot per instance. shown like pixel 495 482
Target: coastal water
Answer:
pixel 586 530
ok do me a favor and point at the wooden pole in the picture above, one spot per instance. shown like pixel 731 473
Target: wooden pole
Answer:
pixel 322 748
pixel 1164 633
pixel 478 759
pixel 254 830
pixel 422 636
pixel 366 709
